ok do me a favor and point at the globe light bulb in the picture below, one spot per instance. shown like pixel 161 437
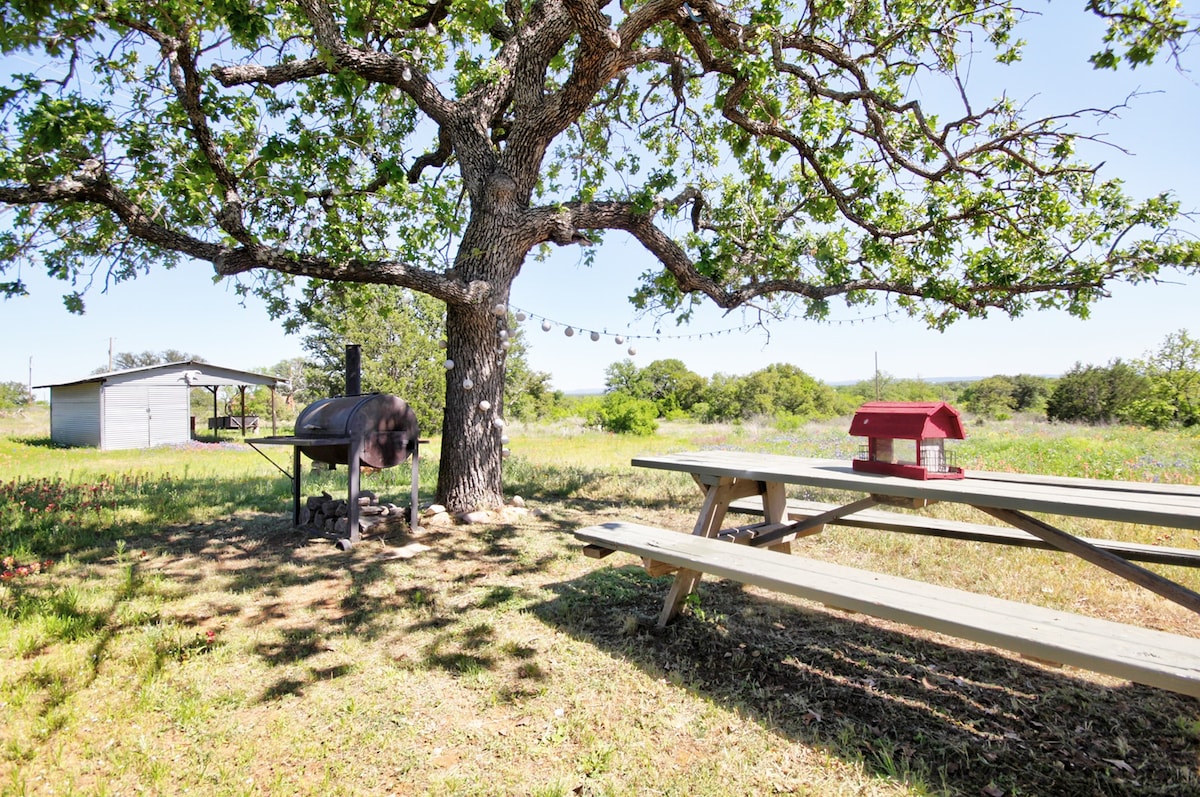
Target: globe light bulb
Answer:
pixel 448 365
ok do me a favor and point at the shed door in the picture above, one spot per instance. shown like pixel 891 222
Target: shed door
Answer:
pixel 140 416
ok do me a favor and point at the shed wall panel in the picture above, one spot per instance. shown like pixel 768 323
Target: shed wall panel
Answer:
pixel 75 415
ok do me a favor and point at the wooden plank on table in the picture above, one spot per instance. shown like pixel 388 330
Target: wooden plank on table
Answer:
pixel 1112 485
pixel 973 532
pixel 1149 657
pixel 1172 510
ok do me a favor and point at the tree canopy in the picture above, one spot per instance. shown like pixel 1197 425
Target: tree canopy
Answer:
pixel 14 394
pixel 764 153
pixel 398 333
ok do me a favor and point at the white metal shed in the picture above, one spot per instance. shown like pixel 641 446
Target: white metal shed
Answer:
pixel 139 407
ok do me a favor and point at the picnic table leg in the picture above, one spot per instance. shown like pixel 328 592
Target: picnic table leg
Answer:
pixel 685 583
pixel 775 511
pixel 717 498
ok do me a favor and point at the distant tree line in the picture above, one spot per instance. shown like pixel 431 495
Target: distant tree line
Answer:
pixel 124 360
pixel 1160 390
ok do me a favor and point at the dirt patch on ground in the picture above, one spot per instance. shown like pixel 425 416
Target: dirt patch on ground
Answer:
pixel 970 719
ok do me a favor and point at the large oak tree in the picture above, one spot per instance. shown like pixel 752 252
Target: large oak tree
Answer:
pixel 764 153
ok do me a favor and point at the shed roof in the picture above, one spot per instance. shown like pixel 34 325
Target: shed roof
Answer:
pixel 191 373
pixel 907 420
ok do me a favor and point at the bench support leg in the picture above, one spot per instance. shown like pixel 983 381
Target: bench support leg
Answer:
pixel 717 498
pixel 1109 561
pixel 685 584
pixel 775 511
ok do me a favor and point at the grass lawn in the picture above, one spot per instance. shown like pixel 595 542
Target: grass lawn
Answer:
pixel 164 630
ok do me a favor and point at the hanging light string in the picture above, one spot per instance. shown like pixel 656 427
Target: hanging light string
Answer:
pixel 504 339
pixel 620 338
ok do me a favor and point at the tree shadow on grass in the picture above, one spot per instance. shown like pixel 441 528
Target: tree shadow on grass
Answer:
pixel 949 720
pixel 39 442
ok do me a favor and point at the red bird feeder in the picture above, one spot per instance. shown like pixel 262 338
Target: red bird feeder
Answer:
pixel 907 438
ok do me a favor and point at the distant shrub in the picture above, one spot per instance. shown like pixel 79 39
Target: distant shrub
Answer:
pixel 624 414
pixel 787 422
pixel 14 394
pixel 1096 394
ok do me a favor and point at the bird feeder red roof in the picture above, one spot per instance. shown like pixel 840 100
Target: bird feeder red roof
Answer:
pixel 928 424
pixel 907 420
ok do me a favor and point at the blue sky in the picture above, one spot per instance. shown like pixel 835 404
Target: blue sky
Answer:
pixel 183 309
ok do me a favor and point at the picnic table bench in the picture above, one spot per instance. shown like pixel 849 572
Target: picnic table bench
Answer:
pixel 755 483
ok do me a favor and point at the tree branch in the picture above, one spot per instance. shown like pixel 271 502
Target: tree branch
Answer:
pixel 275 75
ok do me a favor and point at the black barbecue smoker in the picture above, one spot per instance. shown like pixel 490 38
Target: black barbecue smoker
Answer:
pixel 375 430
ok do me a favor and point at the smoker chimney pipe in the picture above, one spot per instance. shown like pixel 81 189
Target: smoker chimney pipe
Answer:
pixel 353 370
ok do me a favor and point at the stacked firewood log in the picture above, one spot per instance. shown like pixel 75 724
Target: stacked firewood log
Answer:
pixel 332 515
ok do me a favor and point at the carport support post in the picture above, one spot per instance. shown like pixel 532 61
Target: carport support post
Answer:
pixel 215 427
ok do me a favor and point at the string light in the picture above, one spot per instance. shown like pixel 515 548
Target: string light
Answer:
pixel 501 310
pixel 569 330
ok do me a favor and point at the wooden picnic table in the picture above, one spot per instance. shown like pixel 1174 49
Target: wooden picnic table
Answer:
pixel 741 481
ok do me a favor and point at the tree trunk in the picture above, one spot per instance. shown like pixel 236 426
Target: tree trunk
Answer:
pixel 469 475
pixel 493 247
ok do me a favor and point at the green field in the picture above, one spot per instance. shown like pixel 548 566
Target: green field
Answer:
pixel 164 630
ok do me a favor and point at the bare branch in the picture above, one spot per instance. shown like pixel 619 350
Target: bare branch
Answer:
pixel 275 75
